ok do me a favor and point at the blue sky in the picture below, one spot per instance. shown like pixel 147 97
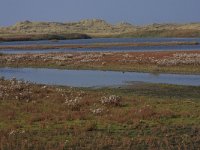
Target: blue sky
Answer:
pixel 113 11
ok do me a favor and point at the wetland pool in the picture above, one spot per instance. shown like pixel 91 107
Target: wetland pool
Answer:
pixel 95 78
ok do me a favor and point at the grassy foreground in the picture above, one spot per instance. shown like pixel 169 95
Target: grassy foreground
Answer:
pixel 142 116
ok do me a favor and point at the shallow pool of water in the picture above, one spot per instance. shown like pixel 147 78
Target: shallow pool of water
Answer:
pixel 89 78
pixel 111 49
pixel 102 40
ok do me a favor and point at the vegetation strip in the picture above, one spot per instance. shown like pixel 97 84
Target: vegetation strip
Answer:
pixel 36 37
pixel 155 62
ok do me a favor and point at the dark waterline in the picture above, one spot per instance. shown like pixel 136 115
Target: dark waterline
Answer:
pixel 89 78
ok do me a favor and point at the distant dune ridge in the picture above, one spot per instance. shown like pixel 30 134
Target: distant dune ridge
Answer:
pixel 100 28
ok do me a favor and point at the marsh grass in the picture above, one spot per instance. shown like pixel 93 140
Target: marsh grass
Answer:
pixel 154 62
pixel 152 116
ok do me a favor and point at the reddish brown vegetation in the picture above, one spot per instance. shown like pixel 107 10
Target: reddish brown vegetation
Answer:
pixel 179 61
